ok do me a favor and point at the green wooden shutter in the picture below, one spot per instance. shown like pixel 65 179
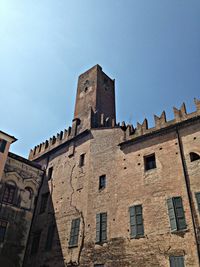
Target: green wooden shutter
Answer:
pixel 197 195
pixel 103 227
pixel 177 261
pixel 133 232
pixel 139 220
pixel 98 227
pixel 180 214
pixel 74 234
pixel 171 213
pixel 136 221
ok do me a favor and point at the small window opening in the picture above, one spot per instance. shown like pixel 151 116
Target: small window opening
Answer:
pixel 3 226
pixel 86 89
pixel 194 156
pixel 2 145
pixel 150 162
pixel 50 173
pixel 102 182
pixel 82 160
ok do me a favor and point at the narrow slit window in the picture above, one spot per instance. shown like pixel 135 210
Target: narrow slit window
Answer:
pixel 150 162
pixel 50 173
pixel 2 145
pixel 44 200
pixel 82 160
pixel 3 227
pixel 194 156
pixel 102 182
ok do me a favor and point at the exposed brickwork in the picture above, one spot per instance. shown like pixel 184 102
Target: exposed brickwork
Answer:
pixel 118 152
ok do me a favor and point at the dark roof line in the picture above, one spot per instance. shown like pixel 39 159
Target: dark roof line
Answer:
pixel 26 161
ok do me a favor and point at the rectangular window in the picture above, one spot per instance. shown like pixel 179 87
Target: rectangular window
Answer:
pixel 82 160
pixel 176 261
pixel 50 236
pixel 35 243
pixel 2 145
pixel 99 265
pixel 150 162
pixel 197 195
pixel 102 182
pixel 101 227
pixel 176 214
pixel 50 173
pixel 3 226
pixel 9 194
pixel 74 234
pixel 136 221
pixel 44 200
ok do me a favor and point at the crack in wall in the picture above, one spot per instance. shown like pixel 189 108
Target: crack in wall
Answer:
pixel 82 219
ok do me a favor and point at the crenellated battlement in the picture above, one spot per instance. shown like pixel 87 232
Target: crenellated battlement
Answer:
pixel 160 121
pixel 96 119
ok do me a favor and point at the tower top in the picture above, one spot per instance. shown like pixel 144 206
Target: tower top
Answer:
pixel 95 100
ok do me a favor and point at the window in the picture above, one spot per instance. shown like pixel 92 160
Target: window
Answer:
pixel 50 172
pixel 2 145
pixel 50 236
pixel 194 156
pixel 9 194
pixel 136 221
pixel 99 265
pixel 101 227
pixel 150 162
pixel 35 243
pixel 82 160
pixel 176 214
pixel 3 226
pixel 102 182
pixel 44 201
pixel 75 225
pixel 197 195
pixel 176 261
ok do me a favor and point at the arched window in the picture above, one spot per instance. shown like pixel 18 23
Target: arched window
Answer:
pixel 9 194
pixel 194 156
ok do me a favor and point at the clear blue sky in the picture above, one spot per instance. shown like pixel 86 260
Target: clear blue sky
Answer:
pixel 151 48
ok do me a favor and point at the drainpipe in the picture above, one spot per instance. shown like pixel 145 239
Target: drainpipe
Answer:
pixel 189 192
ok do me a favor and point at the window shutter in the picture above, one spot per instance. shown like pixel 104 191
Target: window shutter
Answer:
pixel 2 189
pixel 133 221
pixel 177 261
pixel 75 225
pixel 139 220
pixel 98 228
pixel 103 226
pixel 180 214
pixel 197 195
pixel 171 213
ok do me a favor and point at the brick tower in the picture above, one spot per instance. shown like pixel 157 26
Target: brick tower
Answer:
pixel 95 100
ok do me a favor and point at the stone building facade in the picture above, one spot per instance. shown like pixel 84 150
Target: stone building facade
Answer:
pixel 19 186
pixel 115 195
